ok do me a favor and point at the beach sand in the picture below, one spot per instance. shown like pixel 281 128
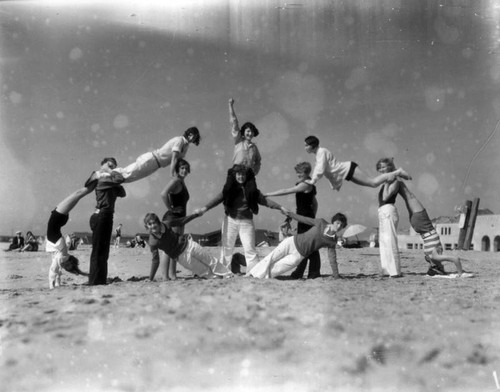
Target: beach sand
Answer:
pixel 361 333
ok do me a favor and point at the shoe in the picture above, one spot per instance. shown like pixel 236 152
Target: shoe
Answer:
pixel 295 276
pixel 314 275
pixel 435 270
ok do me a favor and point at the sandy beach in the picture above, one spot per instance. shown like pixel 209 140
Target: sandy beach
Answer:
pixel 361 333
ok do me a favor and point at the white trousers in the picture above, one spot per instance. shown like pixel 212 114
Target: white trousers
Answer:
pixel 145 165
pixel 282 259
pixel 245 228
pixel 388 241
pixel 200 262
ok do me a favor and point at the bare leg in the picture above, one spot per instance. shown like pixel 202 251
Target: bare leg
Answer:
pixel 360 178
pixel 65 206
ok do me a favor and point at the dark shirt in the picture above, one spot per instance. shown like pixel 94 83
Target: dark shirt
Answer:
pixel 305 202
pixel 390 200
pixel 106 194
pixel 238 207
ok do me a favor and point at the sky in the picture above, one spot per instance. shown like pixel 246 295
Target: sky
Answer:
pixel 418 81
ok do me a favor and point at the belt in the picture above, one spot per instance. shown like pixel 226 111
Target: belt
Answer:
pixel 428 234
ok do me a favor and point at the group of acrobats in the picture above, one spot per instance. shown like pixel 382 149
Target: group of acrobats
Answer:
pixel 241 198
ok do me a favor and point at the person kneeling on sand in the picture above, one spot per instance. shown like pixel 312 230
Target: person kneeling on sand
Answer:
pixel 188 253
pixel 289 252
pixel 433 249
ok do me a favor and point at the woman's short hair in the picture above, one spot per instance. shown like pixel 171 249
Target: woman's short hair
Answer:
pixel 182 162
pixel 340 217
pixel 312 141
pixel 151 216
pixel 389 162
pixel 250 126
pixel 193 131
pixel 109 159
pixel 303 167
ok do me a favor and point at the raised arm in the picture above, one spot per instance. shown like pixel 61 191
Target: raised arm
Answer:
pixel 390 190
pixel 233 120
pixel 300 187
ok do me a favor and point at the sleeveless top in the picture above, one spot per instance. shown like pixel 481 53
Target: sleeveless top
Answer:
pixel 304 202
pixel 179 201
pixel 391 200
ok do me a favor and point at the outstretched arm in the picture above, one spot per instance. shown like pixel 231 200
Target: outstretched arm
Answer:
pixel 301 187
pixel 235 128
pixel 182 221
pixel 303 219
pixel 319 167
pixel 332 257
pixel 175 158
pixel 211 204
pixel 155 261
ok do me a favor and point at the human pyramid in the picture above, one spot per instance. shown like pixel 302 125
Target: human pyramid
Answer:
pixel 241 198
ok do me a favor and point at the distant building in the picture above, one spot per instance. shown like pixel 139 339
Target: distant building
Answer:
pixel 486 236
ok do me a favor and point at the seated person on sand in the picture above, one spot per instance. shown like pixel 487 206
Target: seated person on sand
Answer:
pixel 72 241
pixel 433 249
pixel 136 242
pixel 289 252
pixel 188 253
pixel 149 162
pixel 16 242
pixel 31 243
pixel 336 172
pixel 56 244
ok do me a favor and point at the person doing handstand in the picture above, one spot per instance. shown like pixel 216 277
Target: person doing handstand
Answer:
pixel 422 224
pixel 56 244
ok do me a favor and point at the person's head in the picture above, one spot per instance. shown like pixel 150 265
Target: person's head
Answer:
pixel 19 234
pixel 338 222
pixel 138 236
pixel 311 143
pixel 240 173
pixel 182 168
pixel 385 165
pixel 152 223
pixel 108 164
pixel 192 135
pixel 303 170
pixel 248 131
pixel 29 234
